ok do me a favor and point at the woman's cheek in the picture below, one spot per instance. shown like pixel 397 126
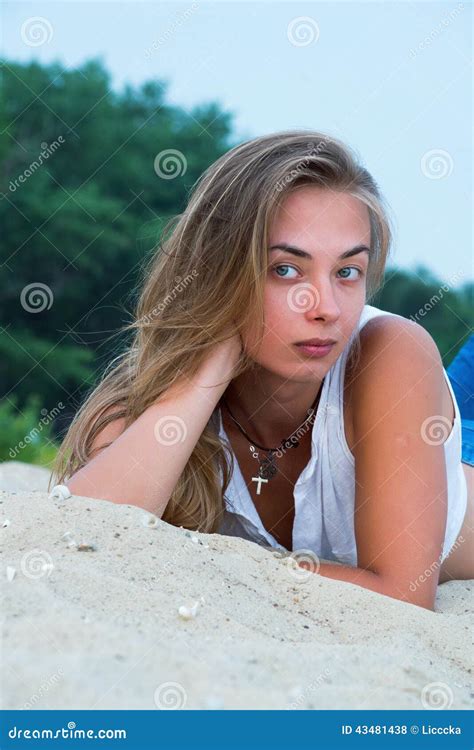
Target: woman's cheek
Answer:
pixel 252 341
pixel 271 343
pixel 276 327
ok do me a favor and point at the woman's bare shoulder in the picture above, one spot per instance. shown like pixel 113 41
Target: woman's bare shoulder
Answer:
pixel 387 341
pixel 390 348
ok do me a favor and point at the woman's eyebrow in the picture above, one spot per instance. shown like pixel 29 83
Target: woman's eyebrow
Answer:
pixel 303 254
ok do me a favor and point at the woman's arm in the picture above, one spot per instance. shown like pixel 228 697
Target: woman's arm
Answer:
pixel 143 464
pixel 400 473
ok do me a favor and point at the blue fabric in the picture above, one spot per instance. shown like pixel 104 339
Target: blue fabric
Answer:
pixel 461 376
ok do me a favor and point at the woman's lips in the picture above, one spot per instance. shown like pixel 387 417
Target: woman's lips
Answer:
pixel 315 351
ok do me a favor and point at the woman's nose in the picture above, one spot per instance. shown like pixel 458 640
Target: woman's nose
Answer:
pixel 325 303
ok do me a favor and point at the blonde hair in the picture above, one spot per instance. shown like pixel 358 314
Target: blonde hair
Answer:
pixel 207 276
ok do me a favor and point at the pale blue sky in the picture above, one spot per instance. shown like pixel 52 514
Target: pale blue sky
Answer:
pixel 392 79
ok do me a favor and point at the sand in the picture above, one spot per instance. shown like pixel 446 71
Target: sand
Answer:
pixel 97 626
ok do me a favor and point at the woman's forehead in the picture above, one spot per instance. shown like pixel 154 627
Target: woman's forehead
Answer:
pixel 317 218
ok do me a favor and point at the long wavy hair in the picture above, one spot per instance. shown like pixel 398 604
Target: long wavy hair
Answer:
pixel 206 276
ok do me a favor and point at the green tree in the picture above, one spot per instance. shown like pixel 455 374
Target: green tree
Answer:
pixel 83 207
pixel 445 312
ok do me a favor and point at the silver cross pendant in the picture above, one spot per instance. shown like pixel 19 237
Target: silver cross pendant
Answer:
pixel 259 479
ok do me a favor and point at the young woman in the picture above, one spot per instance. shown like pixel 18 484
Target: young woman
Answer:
pixel 262 395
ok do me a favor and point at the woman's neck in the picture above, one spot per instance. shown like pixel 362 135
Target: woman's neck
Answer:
pixel 269 408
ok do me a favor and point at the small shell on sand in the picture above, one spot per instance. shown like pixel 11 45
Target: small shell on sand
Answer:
pixel 150 521
pixel 11 572
pixel 6 523
pixel 59 492
pixel 195 539
pixel 188 613
pixel 67 537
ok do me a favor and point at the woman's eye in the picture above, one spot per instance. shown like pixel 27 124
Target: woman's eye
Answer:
pixel 347 275
pixel 284 275
pixel 282 270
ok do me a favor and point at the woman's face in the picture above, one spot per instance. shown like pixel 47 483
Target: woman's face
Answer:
pixel 312 291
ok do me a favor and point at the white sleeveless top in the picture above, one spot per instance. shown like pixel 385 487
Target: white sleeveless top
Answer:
pixel 324 493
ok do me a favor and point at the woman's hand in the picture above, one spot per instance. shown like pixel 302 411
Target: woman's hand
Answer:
pixel 222 363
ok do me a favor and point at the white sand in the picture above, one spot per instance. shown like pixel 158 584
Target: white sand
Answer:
pixel 16 475
pixel 100 628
